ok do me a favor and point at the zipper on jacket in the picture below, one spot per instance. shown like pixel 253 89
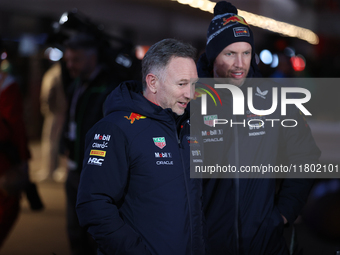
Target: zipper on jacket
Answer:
pixel 186 187
pixel 237 189
pixel 185 178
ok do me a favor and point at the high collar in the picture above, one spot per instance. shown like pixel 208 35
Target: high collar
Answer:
pixel 128 96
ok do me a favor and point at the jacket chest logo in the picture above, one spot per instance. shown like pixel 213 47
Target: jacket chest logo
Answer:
pixel 159 142
pixel 209 120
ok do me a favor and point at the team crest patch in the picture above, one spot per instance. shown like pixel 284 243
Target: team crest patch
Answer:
pixel 159 142
pixel 209 120
pixel 241 31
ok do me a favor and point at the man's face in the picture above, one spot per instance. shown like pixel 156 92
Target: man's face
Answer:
pixel 177 87
pixel 233 63
pixel 80 63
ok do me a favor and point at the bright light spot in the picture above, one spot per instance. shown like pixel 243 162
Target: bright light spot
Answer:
pixel 275 61
pixel 260 21
pixel 266 57
pixel 3 55
pixel 140 51
pixel 5 66
pixel 298 63
pixel 54 54
pixel 55 25
pixel 63 18
pixel 28 45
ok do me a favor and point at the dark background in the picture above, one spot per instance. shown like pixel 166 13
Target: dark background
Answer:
pixel 144 22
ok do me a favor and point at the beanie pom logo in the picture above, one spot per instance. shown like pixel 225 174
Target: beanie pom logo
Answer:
pixel 234 18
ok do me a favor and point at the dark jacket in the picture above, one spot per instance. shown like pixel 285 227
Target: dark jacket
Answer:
pixel 135 194
pixel 88 110
pixel 243 215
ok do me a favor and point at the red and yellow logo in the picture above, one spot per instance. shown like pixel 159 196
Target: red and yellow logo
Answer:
pixel 98 153
pixel 234 18
pixel 241 31
pixel 134 116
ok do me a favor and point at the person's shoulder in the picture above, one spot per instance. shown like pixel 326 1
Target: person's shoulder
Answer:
pixel 127 120
pixel 124 124
pixel 114 117
pixel 110 123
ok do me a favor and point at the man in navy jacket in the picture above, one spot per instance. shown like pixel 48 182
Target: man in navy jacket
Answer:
pixel 247 215
pixel 135 194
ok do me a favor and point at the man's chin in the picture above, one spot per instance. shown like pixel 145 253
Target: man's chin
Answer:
pixel 238 82
pixel 178 111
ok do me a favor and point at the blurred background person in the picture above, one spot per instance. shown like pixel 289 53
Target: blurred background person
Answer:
pixel 86 96
pixel 53 105
pixel 14 154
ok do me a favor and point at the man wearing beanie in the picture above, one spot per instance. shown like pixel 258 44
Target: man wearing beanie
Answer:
pixel 248 215
pixel 228 29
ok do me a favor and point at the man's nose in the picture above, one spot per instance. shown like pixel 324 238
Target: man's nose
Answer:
pixel 238 61
pixel 188 91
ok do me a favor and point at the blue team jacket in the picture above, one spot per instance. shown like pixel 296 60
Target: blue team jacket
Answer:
pixel 135 194
pixel 243 215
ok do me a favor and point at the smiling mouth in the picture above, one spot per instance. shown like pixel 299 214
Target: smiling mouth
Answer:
pixel 237 75
pixel 184 105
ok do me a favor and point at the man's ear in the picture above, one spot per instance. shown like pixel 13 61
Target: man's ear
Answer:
pixel 151 83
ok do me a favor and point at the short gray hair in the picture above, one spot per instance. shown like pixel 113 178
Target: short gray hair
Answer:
pixel 159 55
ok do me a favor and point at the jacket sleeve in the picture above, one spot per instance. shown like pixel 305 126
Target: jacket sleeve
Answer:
pixel 298 148
pixel 101 191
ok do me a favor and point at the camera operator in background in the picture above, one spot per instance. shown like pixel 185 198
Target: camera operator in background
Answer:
pixel 86 95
